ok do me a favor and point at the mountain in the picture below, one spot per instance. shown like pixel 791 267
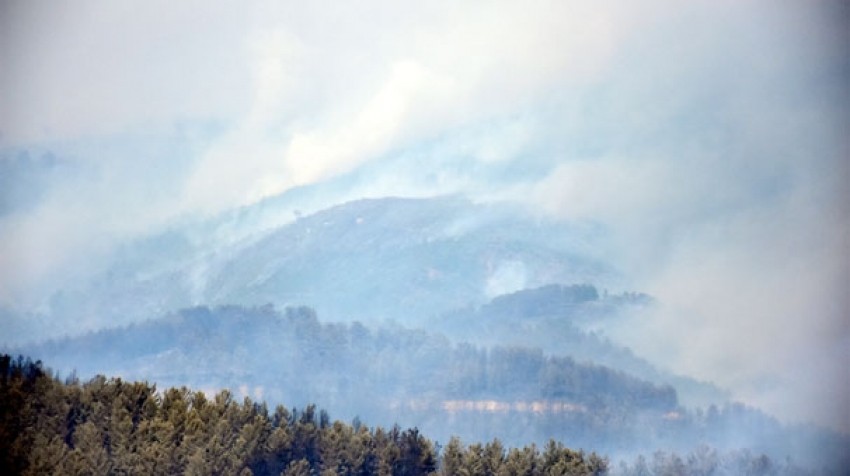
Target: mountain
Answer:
pixel 438 313
pixel 402 259
pixel 369 260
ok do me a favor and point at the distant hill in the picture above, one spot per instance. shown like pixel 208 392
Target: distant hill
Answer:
pixel 402 259
pixel 370 260
pixel 561 320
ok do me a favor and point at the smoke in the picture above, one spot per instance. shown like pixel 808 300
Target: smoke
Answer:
pixel 277 95
pixel 734 214
pixel 508 277
pixel 709 138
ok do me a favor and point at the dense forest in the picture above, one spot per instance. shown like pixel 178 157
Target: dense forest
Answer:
pixel 392 375
pixel 422 379
pixel 108 426
pixel 111 426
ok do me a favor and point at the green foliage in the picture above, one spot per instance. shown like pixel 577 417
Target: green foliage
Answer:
pixel 493 459
pixel 108 426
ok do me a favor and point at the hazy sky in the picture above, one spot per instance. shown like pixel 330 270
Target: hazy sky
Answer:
pixel 709 137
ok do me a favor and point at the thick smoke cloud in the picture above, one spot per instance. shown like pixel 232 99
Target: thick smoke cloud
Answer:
pixel 708 138
pixel 727 188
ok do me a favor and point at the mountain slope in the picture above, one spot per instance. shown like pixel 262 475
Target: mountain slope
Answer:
pixel 391 258
pixel 404 259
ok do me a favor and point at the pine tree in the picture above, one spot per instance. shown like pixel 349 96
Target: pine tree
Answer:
pixel 89 455
pixel 453 458
pixel 299 467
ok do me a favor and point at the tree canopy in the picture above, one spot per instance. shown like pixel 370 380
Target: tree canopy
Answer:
pixel 110 426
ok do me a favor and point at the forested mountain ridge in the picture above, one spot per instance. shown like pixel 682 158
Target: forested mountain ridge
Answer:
pixel 272 352
pixel 112 426
pixel 392 375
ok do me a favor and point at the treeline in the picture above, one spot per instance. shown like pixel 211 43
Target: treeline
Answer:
pixel 705 461
pixel 109 426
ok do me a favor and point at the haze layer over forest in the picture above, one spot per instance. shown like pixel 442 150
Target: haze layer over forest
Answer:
pixel 452 170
